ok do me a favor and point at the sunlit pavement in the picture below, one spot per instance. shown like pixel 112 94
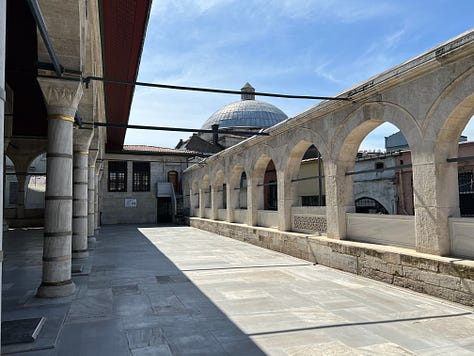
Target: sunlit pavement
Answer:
pixel 177 291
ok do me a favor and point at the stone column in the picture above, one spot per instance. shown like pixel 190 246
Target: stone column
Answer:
pixel 436 196
pixel 82 140
pixel 254 192
pixel 61 98
pixel 339 197
pixel 20 204
pixel 214 202
pixel 230 193
pixel 91 196
pixel 202 202
pixel 98 172
pixel 3 20
pixel 285 201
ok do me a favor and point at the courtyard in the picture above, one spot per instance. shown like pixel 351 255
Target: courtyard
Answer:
pixel 175 290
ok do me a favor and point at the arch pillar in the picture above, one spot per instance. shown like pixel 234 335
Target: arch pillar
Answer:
pixel 339 197
pixel 202 202
pixel 61 99
pixel 230 204
pixel 254 193
pixel 285 201
pixel 436 196
pixel 214 201
pixel 20 205
pixel 82 140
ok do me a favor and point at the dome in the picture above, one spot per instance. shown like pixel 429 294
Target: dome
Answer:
pixel 247 112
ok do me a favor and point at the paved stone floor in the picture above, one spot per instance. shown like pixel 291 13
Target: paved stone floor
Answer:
pixel 181 291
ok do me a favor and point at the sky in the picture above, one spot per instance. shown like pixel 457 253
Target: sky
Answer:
pixel 304 47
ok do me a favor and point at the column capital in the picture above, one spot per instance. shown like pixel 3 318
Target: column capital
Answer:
pixel 82 137
pixel 61 96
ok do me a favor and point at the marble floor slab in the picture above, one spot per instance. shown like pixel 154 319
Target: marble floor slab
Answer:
pixel 174 290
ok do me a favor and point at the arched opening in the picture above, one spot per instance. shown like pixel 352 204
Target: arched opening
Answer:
pixel 369 206
pixel 206 199
pixel 36 183
pixel 194 197
pixel 270 188
pixel 466 170
pixel 310 183
pixel 383 173
pixel 242 197
pixel 221 195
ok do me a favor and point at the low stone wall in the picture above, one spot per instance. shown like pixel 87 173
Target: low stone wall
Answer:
pixel 392 230
pixel 462 239
pixel 443 277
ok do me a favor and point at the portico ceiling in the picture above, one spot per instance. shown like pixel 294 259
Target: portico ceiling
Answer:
pixel 124 24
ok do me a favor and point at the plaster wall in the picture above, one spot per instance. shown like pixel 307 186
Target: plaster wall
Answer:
pixel 113 210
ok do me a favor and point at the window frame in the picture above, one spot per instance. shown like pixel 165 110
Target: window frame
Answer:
pixel 141 176
pixel 117 184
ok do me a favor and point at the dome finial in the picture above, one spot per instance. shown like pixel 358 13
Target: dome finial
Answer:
pixel 248 92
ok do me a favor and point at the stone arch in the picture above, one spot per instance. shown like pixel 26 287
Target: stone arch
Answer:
pixel 452 110
pixel 367 117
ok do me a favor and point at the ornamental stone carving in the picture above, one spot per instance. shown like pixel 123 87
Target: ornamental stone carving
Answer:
pixel 309 223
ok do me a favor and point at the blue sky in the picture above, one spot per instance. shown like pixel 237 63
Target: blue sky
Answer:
pixel 312 47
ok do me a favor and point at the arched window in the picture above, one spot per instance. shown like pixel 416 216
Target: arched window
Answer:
pixel 369 206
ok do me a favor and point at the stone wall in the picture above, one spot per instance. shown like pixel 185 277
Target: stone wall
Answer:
pixel 443 277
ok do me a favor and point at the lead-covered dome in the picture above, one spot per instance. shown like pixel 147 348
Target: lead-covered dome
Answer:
pixel 247 112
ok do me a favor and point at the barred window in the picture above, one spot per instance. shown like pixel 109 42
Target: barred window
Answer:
pixel 141 176
pixel 118 176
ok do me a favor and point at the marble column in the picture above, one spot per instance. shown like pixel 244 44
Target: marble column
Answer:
pixel 98 172
pixel 82 140
pixel 285 201
pixel 61 99
pixel 91 196
pixel 20 204
pixel 3 21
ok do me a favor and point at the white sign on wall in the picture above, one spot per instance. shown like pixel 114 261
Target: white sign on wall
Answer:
pixel 130 203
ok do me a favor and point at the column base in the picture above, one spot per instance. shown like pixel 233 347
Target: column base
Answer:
pixel 96 231
pixel 52 291
pixel 80 254
pixel 91 239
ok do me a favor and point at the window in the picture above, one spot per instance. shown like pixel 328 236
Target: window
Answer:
pixel 466 182
pixel 141 176
pixel 118 176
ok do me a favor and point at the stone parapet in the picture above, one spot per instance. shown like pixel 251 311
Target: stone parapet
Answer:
pixel 443 277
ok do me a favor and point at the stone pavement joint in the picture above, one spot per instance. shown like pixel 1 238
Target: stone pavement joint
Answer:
pixel 173 290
